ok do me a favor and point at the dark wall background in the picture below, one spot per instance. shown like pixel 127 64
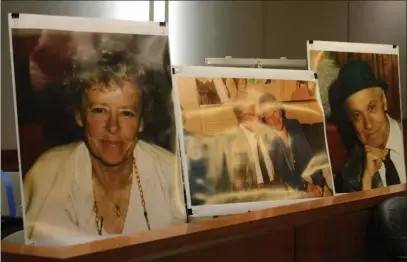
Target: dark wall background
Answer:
pixel 249 29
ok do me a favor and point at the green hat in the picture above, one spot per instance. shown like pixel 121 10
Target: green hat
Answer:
pixel 355 76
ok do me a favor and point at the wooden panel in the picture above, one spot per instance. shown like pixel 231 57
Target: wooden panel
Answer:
pixel 19 258
pixel 271 246
pixel 340 238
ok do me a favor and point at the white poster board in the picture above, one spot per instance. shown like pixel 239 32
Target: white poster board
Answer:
pixel 96 138
pixel 360 92
pixel 214 143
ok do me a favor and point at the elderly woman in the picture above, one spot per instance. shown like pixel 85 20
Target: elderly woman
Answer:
pixel 109 182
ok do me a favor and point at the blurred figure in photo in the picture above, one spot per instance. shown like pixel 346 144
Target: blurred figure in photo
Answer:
pixel 244 152
pixel 304 91
pixel 198 153
pixel 291 151
pixel 207 92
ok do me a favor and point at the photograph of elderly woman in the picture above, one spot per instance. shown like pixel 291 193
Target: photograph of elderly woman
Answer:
pixel 263 141
pixel 360 93
pixel 96 133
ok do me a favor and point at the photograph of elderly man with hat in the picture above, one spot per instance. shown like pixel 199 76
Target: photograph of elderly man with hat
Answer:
pixel 379 158
pixel 364 106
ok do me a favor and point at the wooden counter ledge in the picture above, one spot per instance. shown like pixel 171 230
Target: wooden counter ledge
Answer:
pixel 169 242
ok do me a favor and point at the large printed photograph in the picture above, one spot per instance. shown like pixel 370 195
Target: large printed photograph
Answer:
pixel 96 131
pixel 252 140
pixel 360 92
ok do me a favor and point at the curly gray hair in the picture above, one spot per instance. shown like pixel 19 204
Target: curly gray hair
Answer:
pixel 103 63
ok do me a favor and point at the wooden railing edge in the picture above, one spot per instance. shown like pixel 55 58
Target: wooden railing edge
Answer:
pixel 193 234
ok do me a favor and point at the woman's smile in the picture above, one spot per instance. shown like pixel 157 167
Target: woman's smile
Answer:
pixel 110 143
pixel 112 121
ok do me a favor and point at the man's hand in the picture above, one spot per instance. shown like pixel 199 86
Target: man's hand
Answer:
pixel 373 162
pixel 314 191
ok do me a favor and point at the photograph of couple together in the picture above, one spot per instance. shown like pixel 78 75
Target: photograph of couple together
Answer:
pixel 253 140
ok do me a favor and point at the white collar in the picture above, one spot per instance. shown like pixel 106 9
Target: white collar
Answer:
pixel 81 195
pixel 395 139
pixel 245 130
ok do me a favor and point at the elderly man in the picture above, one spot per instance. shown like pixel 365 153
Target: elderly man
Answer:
pixel 378 160
pixel 251 143
pixel 291 152
pixel 242 157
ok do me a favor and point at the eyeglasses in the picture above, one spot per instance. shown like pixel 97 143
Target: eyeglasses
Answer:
pixel 273 116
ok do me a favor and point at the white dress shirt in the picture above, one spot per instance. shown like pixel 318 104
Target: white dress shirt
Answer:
pixel 395 145
pixel 254 140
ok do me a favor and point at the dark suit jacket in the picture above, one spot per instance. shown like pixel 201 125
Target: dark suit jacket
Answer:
pixel 351 173
pixel 302 154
